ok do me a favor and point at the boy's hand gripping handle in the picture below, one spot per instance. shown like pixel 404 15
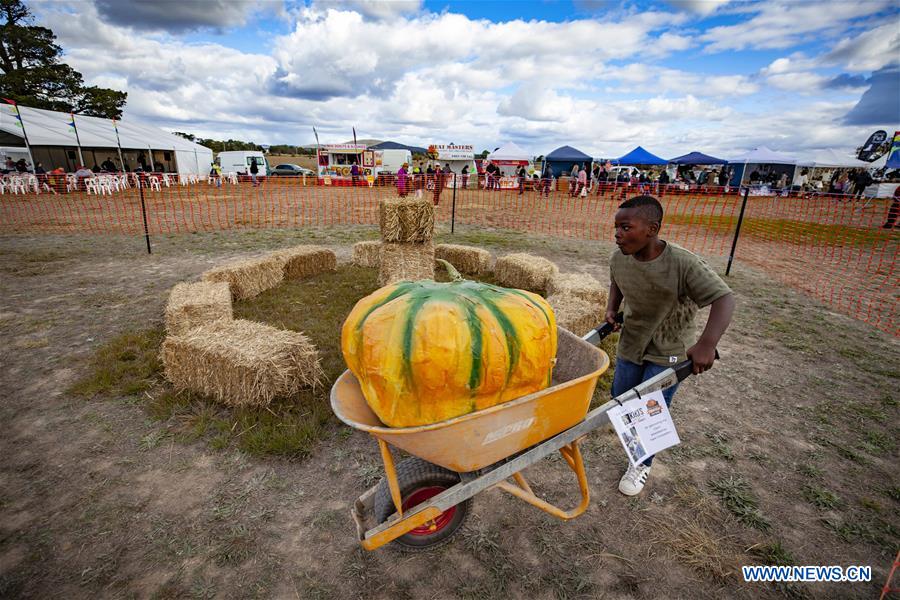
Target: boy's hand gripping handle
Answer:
pixel 596 335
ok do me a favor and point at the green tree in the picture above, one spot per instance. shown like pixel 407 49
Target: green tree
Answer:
pixel 31 72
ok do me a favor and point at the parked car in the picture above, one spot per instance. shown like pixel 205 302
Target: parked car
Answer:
pixel 290 169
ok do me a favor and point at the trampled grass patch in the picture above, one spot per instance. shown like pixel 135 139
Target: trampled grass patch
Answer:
pixel 737 496
pixel 126 365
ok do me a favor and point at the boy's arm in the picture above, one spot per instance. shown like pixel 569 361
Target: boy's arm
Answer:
pixel 703 353
pixel 612 305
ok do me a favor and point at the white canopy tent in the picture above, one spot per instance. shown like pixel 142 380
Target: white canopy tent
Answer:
pixel 509 157
pixel 765 160
pixel 51 134
pixel 831 158
pixel 764 156
pixel 509 152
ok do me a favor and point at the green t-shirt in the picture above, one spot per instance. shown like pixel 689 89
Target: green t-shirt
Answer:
pixel 661 298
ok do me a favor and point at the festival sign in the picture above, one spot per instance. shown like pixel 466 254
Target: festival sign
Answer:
pixel 454 151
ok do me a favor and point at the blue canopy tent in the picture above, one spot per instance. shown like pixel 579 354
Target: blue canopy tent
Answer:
pixel 697 158
pixel 562 159
pixel 639 156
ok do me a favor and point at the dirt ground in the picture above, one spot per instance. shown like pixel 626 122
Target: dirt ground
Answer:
pixel 788 455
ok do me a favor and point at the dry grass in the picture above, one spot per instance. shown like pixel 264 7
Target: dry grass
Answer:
pixel 194 304
pixel 525 272
pixel 467 259
pixel 367 254
pixel 306 261
pixel 247 278
pixel 240 362
pixel 693 540
pixel 581 285
pixel 406 220
pixel 406 262
pixel 575 314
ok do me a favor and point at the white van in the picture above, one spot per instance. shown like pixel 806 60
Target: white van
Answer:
pixel 390 161
pixel 238 161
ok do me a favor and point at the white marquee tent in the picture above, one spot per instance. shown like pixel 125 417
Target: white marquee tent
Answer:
pixel 510 152
pixel 53 141
pixel 831 158
pixel 764 156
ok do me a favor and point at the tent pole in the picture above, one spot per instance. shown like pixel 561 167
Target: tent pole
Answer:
pixel 152 166
pixel 119 145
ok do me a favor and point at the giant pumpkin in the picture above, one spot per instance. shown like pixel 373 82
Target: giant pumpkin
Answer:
pixel 425 351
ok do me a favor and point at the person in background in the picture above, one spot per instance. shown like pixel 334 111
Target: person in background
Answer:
pixel 108 165
pixel 893 211
pixel 402 175
pixel 465 176
pixel 573 181
pixel 354 173
pixel 521 174
pixel 438 184
pixel 254 172
pixel 9 166
pixel 546 179
pixel 21 166
pixel 215 172
pixel 582 180
pixel 82 174
pixel 39 169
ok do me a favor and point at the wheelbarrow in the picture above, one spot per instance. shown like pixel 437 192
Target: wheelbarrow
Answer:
pixel 424 500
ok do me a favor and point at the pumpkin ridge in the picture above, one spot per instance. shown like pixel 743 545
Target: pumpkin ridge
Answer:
pixel 402 288
pixel 532 301
pixel 415 305
pixel 509 330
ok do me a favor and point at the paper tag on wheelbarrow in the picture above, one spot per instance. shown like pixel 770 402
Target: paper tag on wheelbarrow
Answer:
pixel 644 426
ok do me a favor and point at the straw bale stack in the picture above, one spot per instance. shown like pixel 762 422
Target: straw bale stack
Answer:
pixel 525 272
pixel 241 363
pixel 467 259
pixel 405 262
pixel 305 261
pixel 582 285
pixel 406 220
pixel 247 278
pixel 575 314
pixel 193 304
pixel 366 254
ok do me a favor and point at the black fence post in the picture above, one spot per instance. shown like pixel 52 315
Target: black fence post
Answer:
pixel 453 207
pixel 144 213
pixel 737 231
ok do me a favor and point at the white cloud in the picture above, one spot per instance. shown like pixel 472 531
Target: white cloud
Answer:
pixel 376 9
pixel 869 51
pixel 421 77
pixel 783 24
pixel 700 7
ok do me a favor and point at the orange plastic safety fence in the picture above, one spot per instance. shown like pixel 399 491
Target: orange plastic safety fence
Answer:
pixel 831 247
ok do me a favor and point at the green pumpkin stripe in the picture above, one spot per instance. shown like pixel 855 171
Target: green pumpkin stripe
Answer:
pixel 420 293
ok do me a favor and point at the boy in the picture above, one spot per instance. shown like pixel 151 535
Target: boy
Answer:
pixel 662 285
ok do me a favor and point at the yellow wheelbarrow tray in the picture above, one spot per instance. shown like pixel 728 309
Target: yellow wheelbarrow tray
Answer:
pixel 456 459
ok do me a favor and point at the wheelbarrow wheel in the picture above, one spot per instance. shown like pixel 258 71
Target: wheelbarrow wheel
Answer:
pixel 420 480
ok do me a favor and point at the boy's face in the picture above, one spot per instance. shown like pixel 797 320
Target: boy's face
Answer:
pixel 633 231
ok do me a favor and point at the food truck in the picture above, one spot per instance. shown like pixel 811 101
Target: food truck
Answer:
pixel 457 156
pixel 335 162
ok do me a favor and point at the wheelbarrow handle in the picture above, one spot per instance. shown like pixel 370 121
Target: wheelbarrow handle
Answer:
pixel 685 369
pixel 597 334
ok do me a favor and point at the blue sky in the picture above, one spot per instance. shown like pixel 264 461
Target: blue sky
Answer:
pixel 712 75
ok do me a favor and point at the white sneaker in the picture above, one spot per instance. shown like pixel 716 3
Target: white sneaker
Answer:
pixel 633 480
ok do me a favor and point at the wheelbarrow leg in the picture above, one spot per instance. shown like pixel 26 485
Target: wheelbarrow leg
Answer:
pixel 391 475
pixel 572 454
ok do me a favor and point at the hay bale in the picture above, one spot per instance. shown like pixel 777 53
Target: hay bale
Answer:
pixel 193 304
pixel 241 362
pixel 247 278
pixel 406 220
pixel 467 259
pixel 525 271
pixel 405 262
pixel 366 254
pixel 304 261
pixel 575 314
pixel 582 285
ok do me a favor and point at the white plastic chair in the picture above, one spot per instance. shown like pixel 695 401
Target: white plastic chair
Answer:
pixel 153 183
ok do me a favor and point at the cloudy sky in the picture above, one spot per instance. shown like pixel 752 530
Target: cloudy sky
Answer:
pixel 718 76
